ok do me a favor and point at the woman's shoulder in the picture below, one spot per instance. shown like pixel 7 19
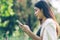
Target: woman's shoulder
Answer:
pixel 49 20
pixel 49 24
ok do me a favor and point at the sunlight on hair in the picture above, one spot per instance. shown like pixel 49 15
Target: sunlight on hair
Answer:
pixel 56 4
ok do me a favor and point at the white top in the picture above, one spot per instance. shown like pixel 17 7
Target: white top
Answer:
pixel 49 30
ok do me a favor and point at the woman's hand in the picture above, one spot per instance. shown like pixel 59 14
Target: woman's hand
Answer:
pixel 25 28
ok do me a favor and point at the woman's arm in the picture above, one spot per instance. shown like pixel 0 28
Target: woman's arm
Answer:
pixel 26 29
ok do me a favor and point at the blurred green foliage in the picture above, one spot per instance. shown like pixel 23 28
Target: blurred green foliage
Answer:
pixel 58 17
pixel 10 11
pixel 7 18
pixel 25 11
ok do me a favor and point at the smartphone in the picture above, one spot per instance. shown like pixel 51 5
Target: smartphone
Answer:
pixel 19 23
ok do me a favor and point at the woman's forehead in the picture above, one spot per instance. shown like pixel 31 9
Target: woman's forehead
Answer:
pixel 36 8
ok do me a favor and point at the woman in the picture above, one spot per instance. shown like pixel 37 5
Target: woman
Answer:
pixel 49 26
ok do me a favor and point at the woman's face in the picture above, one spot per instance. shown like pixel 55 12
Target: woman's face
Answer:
pixel 38 13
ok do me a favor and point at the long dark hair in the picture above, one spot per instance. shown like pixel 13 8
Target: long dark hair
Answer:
pixel 45 7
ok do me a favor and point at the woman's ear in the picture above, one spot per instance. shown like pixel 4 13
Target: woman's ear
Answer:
pixel 41 10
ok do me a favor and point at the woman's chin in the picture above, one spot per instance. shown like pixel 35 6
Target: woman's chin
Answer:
pixel 39 18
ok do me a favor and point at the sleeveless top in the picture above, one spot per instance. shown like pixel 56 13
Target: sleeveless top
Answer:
pixel 39 31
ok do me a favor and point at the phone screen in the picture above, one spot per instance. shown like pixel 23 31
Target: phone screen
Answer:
pixel 19 22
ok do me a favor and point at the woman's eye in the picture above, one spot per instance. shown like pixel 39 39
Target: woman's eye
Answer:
pixel 35 10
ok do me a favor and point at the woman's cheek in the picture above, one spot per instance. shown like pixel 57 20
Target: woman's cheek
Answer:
pixel 36 13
